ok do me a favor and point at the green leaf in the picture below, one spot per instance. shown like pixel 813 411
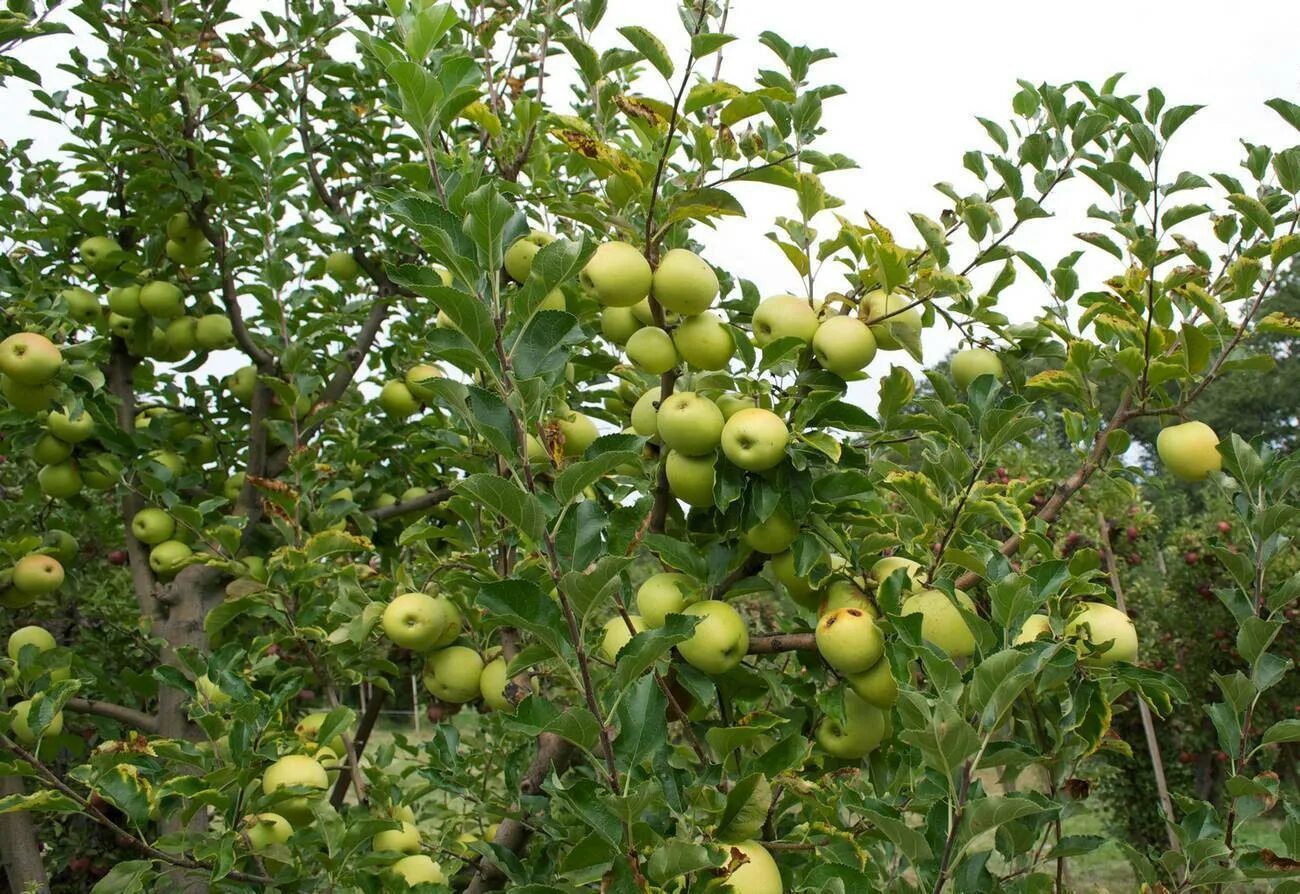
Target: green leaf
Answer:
pixel 642 721
pixel 41 801
pixel 508 500
pixel 535 715
pixel 995 132
pixel 650 47
pixel 1180 213
pixel 1282 731
pixel 647 647
pixel 748 803
pixel 985 814
pixel 704 44
pixel 543 347
pixel 467 312
pixel 492 223
pixel 1286 165
pixel 1102 241
pixel 1289 111
pixel 1175 117
pixel 933 234
pixel 675 858
pixel 711 93
pixel 1253 210
pixel 520 603
pixel 127 877
pixel 577 477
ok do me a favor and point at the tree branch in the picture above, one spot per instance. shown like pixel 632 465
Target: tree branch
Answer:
pixel 121 365
pixel 142 721
pixel 419 504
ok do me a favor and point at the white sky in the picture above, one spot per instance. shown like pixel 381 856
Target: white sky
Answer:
pixel 918 74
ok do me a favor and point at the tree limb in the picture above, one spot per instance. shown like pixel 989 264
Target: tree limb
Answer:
pixel 144 722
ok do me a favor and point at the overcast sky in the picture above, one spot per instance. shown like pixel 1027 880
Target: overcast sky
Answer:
pixel 918 74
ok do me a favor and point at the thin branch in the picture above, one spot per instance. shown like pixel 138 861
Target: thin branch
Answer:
pixel 773 643
pixel 364 729
pixel 418 504
pixel 142 721
pixel 121 366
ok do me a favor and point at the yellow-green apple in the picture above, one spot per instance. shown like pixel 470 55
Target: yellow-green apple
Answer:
pixel 60 480
pixel 241 384
pixel 403 840
pixel 37 637
pixel 1035 627
pixel 214 332
pixel 125 302
pixel 83 306
pixel 396 400
pixel 684 282
pixel 967 366
pixel 180 227
pixel 208 690
pixel 308 732
pixel 844 593
pixel 784 316
pixel 265 830
pixel 554 300
pixel 875 685
pixel 151 526
pixel 704 342
pixel 519 256
pixel 73 429
pixel 849 640
pixel 733 402
pixel 419 380
pixel 578 430
pixel 295 771
pixel 30 359
pixel 690 478
pixel 798 588
pixel 342 266
pixel 615 635
pixel 537 453
pixel 618 324
pixel 188 252
pixel 59 544
pixel 168 558
pixel 162 299
pixel 689 423
pixel 843 345
pixel 416 620
pixel 49 450
pixel 22 730
pixel 893 327
pixel 720 641
pixel 651 350
pixel 617 275
pixel 418 869
pixel 1098 624
pixel 492 685
pixel 645 414
pixel 663 594
pixel 100 471
pixel 180 338
pixel 756 873
pixel 454 621
pixel 941 622
pixel 883 568
pixel 755 439
pixel 865 727
pixel 452 674
pixel 26 398
pixel 99 254
pixel 1190 450
pixel 772 535
pixel 169 460
pixel 645 314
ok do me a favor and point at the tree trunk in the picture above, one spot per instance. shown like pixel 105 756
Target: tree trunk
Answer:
pixel 18 846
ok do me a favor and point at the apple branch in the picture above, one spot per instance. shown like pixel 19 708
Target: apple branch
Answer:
pixel 120 368
pixel 364 729
pixel 774 643
pixel 140 720
pixel 419 504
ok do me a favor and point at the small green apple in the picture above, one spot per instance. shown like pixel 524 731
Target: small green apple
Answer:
pixel 452 674
pixel 151 526
pixel 1190 451
pixel 100 471
pixel 125 302
pixel 180 227
pixel 755 439
pixel 876 685
pixel 704 342
pixel 893 327
pixel 30 359
pixel 1097 624
pixel 849 640
pixel 308 732
pixel 101 254
pixel 37 637
pixel 773 535
pixel 265 830
pixel 60 481
pixel 844 345
pixel 883 568
pixel 242 383
pixel 418 869
pixel 733 402
pixel 967 366
pixel 492 686
pixel 290 772
pixel 341 266
pixel 25 398
pixel 651 350
pixel 416 621
pixel 73 429
pixel 844 593
pixel 83 306
pixel 941 622
pixel 618 324
pixel 797 588
pixel 865 727
pixel 49 450
pixel 180 338
pixel 617 275
pixel 214 332
pixel 784 316
pixel 188 252
pixel 22 730
pixel 684 282
pixel 663 594
pixel 578 430
pixel 756 873
pixel 689 423
pixel 403 840
pixel 168 558
pixel 615 635
pixel 162 299
pixel 396 400
pixel 691 478
pixel 419 379
pixel 519 256
pixel 645 414
pixel 60 544
pixel 720 641
pixel 169 460
pixel 1035 627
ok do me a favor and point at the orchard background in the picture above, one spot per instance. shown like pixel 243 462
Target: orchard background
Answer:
pixel 345 345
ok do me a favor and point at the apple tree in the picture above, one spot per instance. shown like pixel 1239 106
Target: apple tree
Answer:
pixel 384 334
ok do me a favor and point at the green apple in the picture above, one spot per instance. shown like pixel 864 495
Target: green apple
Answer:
pixel 188 252
pixel 49 450
pixel 60 544
pixel 796 587
pixel 162 299
pixel 23 732
pixel 454 622
pixel 689 423
pixel 60 480
pixel 100 471
pixel 396 400
pixel 897 330
pixel 308 732
pixel 537 453
pixel 519 256
pixel 265 830
pixel 37 637
pixel 645 414
pixel 151 526
pixel 618 324
pixel 27 398
pixel 1097 625
pixel 784 316
pixel 663 594
pixel 849 640
pixel 30 359
pixel 172 462
pixel 83 306
pixel 418 869
pixel 419 379
pixel 941 622
pixel 704 342
pixel 645 314
pixel 416 620
pixel 99 253
pixel 180 227
pixel 684 283
pixel 242 383
pixel 733 402
pixel 967 366
pixel 209 692
pixel 1035 627
pixel 180 337
pixel 492 686
pixel 865 727
pixel 168 558
pixel 404 840
pixel 254 567
pixel 200 449
pixel 73 429
pixel 757 873
pixel 615 635
pixel 720 641
pixel 578 430
pixel 844 593
pixel 295 771
pixel 755 439
pixel 844 345
pixel 342 266
pixel 1190 451
pixel 773 535
pixel 213 332
pixel 125 302
pixel 452 674
pixel 617 275
pixel 883 568
pixel 651 350
pixel 554 300
pixel 691 478
pixel 876 685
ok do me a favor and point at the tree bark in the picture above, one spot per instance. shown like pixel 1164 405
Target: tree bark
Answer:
pixel 18 846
